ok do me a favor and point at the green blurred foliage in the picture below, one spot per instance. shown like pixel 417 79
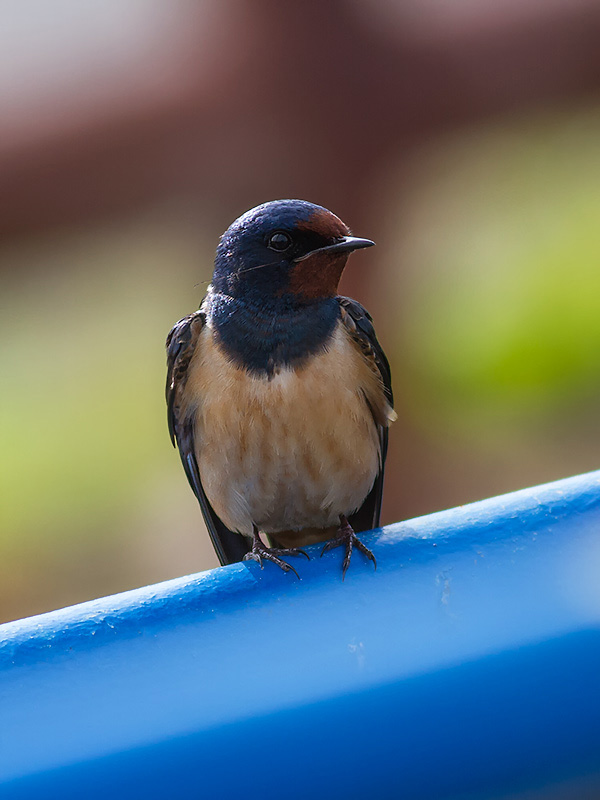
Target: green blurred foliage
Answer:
pixel 82 414
pixel 502 322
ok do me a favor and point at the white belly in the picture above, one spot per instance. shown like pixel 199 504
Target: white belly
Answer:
pixel 288 453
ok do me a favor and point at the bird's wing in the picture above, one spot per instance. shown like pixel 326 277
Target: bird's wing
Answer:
pixel 181 344
pixel 359 324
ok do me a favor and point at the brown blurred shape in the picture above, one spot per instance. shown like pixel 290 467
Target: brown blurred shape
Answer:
pixel 305 96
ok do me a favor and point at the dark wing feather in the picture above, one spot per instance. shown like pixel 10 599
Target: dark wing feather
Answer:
pixel 359 324
pixel 181 343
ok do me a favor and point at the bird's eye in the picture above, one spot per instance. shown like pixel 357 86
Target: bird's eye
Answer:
pixel 279 241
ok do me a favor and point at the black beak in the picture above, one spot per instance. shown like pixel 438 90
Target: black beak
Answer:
pixel 345 245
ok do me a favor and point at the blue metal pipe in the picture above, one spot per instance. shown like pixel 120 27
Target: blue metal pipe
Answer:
pixel 468 664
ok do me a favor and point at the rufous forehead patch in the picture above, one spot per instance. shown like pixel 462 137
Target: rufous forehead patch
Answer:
pixel 325 223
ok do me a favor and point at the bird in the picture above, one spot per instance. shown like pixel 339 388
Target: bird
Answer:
pixel 279 394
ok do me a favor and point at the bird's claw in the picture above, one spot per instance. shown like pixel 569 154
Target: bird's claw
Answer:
pixel 346 537
pixel 290 551
pixel 260 551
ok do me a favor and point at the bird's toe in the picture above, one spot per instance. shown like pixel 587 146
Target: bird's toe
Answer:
pixel 349 540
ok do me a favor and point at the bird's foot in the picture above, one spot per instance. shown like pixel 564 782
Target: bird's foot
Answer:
pixel 345 536
pixel 260 551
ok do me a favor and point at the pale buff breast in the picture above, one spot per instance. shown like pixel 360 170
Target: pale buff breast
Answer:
pixel 288 453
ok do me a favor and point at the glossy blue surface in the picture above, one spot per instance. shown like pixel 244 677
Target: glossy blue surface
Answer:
pixel 467 665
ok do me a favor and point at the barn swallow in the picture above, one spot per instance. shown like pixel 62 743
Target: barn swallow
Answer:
pixel 279 395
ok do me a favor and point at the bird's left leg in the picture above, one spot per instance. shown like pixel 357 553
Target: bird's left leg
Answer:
pixel 346 537
pixel 260 551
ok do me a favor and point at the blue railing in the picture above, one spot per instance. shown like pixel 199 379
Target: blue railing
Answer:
pixel 467 664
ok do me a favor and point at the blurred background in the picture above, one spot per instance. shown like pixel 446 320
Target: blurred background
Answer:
pixel 463 137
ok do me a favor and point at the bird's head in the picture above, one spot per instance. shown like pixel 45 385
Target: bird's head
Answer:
pixel 284 249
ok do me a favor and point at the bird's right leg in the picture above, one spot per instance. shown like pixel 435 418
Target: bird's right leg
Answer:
pixel 346 537
pixel 260 551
